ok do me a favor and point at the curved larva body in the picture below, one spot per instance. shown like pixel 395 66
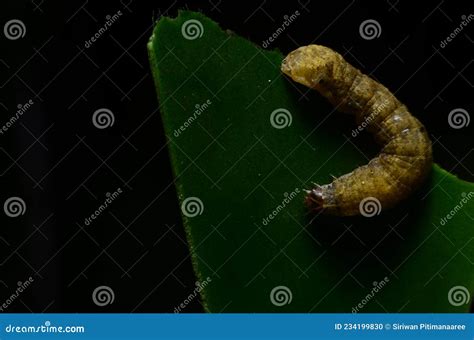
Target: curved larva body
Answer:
pixel 406 155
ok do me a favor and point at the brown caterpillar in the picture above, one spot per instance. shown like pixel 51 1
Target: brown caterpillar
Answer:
pixel 406 155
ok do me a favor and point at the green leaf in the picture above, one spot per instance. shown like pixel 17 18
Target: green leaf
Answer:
pixel 234 168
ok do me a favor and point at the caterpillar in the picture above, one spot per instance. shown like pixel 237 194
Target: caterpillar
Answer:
pixel 406 155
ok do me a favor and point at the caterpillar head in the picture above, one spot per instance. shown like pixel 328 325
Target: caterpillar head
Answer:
pixel 314 200
pixel 310 65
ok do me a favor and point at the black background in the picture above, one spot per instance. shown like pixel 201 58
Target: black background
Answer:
pixel 62 166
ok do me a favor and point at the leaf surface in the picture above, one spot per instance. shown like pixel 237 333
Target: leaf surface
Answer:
pixel 239 179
